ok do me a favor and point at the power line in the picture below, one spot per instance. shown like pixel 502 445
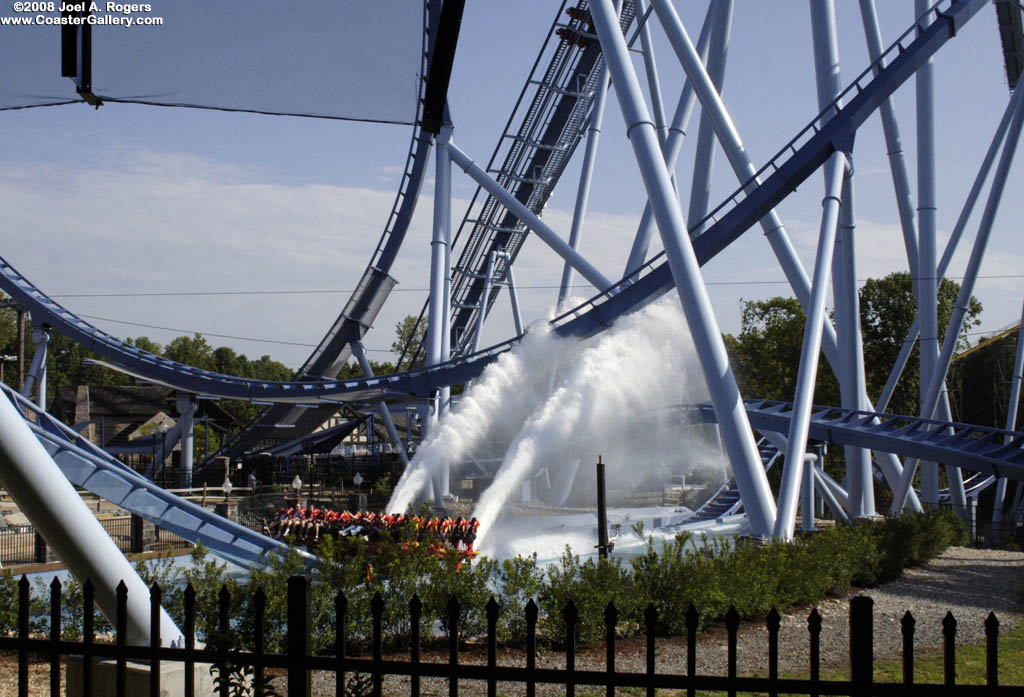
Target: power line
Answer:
pixel 333 291
pixel 219 336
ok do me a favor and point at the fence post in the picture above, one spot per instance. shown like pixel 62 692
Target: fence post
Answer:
pixel 225 639
pixel 650 627
pixel 121 629
pixel 572 616
pixel 992 650
pixel 55 637
pixel 190 640
pixel 949 646
pixel 88 612
pixel 40 548
pixel 23 588
pixel 861 645
pixel 773 622
pixel 814 630
pixel 453 645
pixel 136 543
pixel 259 611
pixel 531 648
pixel 340 625
pixel 907 626
pixel 377 610
pixel 298 636
pixel 611 618
pixel 692 622
pixel 732 625
pixel 492 646
pixel 155 598
pixel 415 613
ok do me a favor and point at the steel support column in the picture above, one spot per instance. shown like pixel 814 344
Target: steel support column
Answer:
pixel 893 142
pixel 481 312
pixel 744 169
pixel 186 421
pixel 53 506
pixel 852 383
pixel 586 176
pixel 807 373
pixel 725 396
pixel 927 261
pixel 1011 423
pixel 439 256
pixel 937 380
pixel 382 408
pixel 676 136
pixel 528 218
pixel 704 157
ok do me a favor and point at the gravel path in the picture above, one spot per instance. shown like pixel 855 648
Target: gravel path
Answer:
pixel 968 582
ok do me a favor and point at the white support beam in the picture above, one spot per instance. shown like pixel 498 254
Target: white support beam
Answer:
pixel 732 418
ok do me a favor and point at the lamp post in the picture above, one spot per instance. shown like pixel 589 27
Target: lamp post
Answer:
pixel 227 486
pixel 297 485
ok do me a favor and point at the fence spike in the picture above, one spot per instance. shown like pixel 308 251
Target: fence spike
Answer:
pixel 121 638
pixel 155 598
pixel 611 619
pixel 773 622
pixel 949 648
pixel 492 645
pixel 55 631
pixel 814 652
pixel 650 628
pixel 190 640
pixel 23 609
pixel 88 614
pixel 298 637
pixel 992 649
pixel 259 612
pixel 611 614
pixel 732 623
pixel 454 609
pixel 531 647
pixel 415 611
pixel 572 616
pixel 861 644
pixel 907 625
pixel 377 610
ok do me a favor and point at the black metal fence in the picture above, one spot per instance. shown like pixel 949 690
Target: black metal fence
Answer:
pixel 297 661
pixel 22 544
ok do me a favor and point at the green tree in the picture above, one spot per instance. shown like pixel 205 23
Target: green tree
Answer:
pixel 765 354
pixel 146 344
pixel 194 351
pixel 410 338
pixel 887 310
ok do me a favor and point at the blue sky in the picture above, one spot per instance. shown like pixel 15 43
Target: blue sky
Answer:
pixel 145 200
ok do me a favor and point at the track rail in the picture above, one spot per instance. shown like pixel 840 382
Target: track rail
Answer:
pixel 87 466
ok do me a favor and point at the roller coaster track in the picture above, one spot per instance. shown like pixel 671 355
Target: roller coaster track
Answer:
pixel 726 500
pixel 87 466
pixel 989 451
pixel 536 154
pixel 800 158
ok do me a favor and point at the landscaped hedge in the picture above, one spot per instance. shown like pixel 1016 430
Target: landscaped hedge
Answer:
pixel 712 577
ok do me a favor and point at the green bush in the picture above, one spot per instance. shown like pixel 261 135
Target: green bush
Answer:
pixel 711 576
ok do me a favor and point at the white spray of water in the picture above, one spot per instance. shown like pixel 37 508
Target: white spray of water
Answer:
pixel 645 362
pixel 490 412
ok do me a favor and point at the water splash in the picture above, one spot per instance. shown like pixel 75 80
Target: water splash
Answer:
pixel 488 414
pixel 606 402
